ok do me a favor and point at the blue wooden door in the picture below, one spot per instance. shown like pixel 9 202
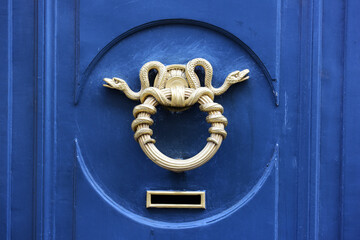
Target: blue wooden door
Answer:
pixel 288 169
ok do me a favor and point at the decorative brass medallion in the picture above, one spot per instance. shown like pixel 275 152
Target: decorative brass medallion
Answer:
pixel 178 88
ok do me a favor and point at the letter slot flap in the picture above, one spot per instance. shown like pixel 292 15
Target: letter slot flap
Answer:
pixel 175 199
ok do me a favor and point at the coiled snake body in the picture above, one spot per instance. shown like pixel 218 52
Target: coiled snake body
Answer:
pixel 180 94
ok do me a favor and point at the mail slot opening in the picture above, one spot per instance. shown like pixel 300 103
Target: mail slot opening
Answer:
pixel 175 199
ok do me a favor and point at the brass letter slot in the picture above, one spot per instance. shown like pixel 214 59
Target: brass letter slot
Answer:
pixel 175 199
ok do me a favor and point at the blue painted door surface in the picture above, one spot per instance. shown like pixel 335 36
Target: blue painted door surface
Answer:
pixel 288 169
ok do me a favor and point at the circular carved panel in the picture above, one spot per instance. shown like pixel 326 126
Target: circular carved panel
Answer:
pixel 114 159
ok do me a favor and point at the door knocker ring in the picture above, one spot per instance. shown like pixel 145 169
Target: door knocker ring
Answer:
pixel 177 87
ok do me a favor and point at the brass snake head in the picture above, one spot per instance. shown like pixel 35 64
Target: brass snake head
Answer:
pixel 237 76
pixel 115 83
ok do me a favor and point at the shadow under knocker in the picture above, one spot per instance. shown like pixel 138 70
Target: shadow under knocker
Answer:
pixel 177 87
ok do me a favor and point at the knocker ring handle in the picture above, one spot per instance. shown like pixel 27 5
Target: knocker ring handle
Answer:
pixel 177 87
pixel 143 133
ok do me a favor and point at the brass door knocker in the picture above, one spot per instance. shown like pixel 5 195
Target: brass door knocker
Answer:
pixel 177 87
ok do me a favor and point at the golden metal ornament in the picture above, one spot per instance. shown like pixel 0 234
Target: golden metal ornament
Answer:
pixel 178 88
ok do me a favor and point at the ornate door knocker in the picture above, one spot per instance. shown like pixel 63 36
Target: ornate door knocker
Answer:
pixel 177 87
